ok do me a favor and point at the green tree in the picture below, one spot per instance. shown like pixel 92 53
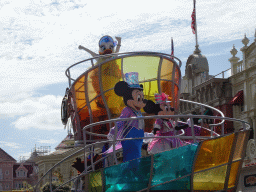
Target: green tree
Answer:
pixel 46 187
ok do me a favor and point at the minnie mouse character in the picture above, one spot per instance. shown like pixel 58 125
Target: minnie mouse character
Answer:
pixel 133 98
pixel 163 126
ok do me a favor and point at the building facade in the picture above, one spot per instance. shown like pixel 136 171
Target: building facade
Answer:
pixel 243 80
pixel 15 175
pixel 197 85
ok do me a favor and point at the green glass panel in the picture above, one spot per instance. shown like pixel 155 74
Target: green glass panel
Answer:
pixel 129 176
pixel 173 164
pixel 214 152
pixel 210 180
pixel 146 66
pixel 95 182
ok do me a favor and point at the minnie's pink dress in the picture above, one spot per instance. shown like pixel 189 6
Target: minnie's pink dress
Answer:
pixel 166 128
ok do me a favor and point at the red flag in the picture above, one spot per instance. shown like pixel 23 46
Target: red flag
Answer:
pixel 193 23
pixel 172 50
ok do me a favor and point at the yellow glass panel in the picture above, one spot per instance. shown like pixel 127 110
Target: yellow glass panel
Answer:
pixel 149 89
pixel 93 86
pixel 214 152
pixel 79 92
pixel 146 66
pixel 239 145
pixel 166 70
pixel 211 180
pixel 111 74
pixel 233 174
pixel 115 103
pixel 95 182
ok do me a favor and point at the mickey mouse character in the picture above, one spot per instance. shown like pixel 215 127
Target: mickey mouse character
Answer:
pixel 133 98
pixel 163 126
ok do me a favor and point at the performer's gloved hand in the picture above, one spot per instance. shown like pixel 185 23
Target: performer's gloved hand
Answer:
pixel 78 165
pixel 155 130
pixel 179 127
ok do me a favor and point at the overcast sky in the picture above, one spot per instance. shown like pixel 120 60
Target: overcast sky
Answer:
pixel 40 39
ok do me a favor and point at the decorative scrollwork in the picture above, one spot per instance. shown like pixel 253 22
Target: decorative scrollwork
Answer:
pixel 251 149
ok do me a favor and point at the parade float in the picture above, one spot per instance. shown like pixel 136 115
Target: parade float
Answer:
pixel 207 162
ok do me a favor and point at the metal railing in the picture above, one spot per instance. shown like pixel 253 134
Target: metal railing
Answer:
pixel 90 168
pixel 115 56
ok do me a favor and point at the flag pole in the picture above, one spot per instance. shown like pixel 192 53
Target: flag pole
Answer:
pixel 197 49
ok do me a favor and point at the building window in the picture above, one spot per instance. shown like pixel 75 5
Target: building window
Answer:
pixel 7 186
pixel 7 172
pixel 241 107
pixel 21 173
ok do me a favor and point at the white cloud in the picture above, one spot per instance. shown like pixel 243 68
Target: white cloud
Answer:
pixel 10 144
pixel 49 141
pixel 38 113
pixel 39 40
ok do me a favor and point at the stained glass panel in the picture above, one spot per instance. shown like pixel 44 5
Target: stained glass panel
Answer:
pixel 214 152
pixel 129 176
pixel 210 180
pixel 95 181
pixel 173 164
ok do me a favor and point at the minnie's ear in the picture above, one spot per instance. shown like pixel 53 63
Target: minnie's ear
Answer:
pixel 141 86
pixel 150 107
pixel 121 88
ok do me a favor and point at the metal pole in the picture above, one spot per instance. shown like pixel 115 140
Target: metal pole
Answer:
pixel 196 25
pixel 222 129
pixel 51 180
pixel 192 129
pixel 114 145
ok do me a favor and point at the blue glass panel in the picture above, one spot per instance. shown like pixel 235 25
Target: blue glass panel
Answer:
pixel 182 184
pixel 129 176
pixel 171 165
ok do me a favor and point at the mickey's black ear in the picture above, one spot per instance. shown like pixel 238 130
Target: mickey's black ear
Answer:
pixel 150 107
pixel 121 88
pixel 141 86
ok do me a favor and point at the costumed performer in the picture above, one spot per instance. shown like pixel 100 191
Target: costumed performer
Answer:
pixel 110 72
pixel 133 98
pixel 163 126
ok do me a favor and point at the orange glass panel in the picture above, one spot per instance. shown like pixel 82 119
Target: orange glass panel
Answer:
pixel 176 98
pixel 110 74
pixel 79 92
pixel 146 66
pixel 115 103
pixel 98 107
pixel 214 152
pixel 166 87
pixel 233 174
pixel 211 180
pixel 177 76
pixel 166 70
pixel 239 145
pixel 83 113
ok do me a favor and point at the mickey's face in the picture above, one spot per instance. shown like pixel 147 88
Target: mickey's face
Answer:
pixel 166 109
pixel 106 48
pixel 138 101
